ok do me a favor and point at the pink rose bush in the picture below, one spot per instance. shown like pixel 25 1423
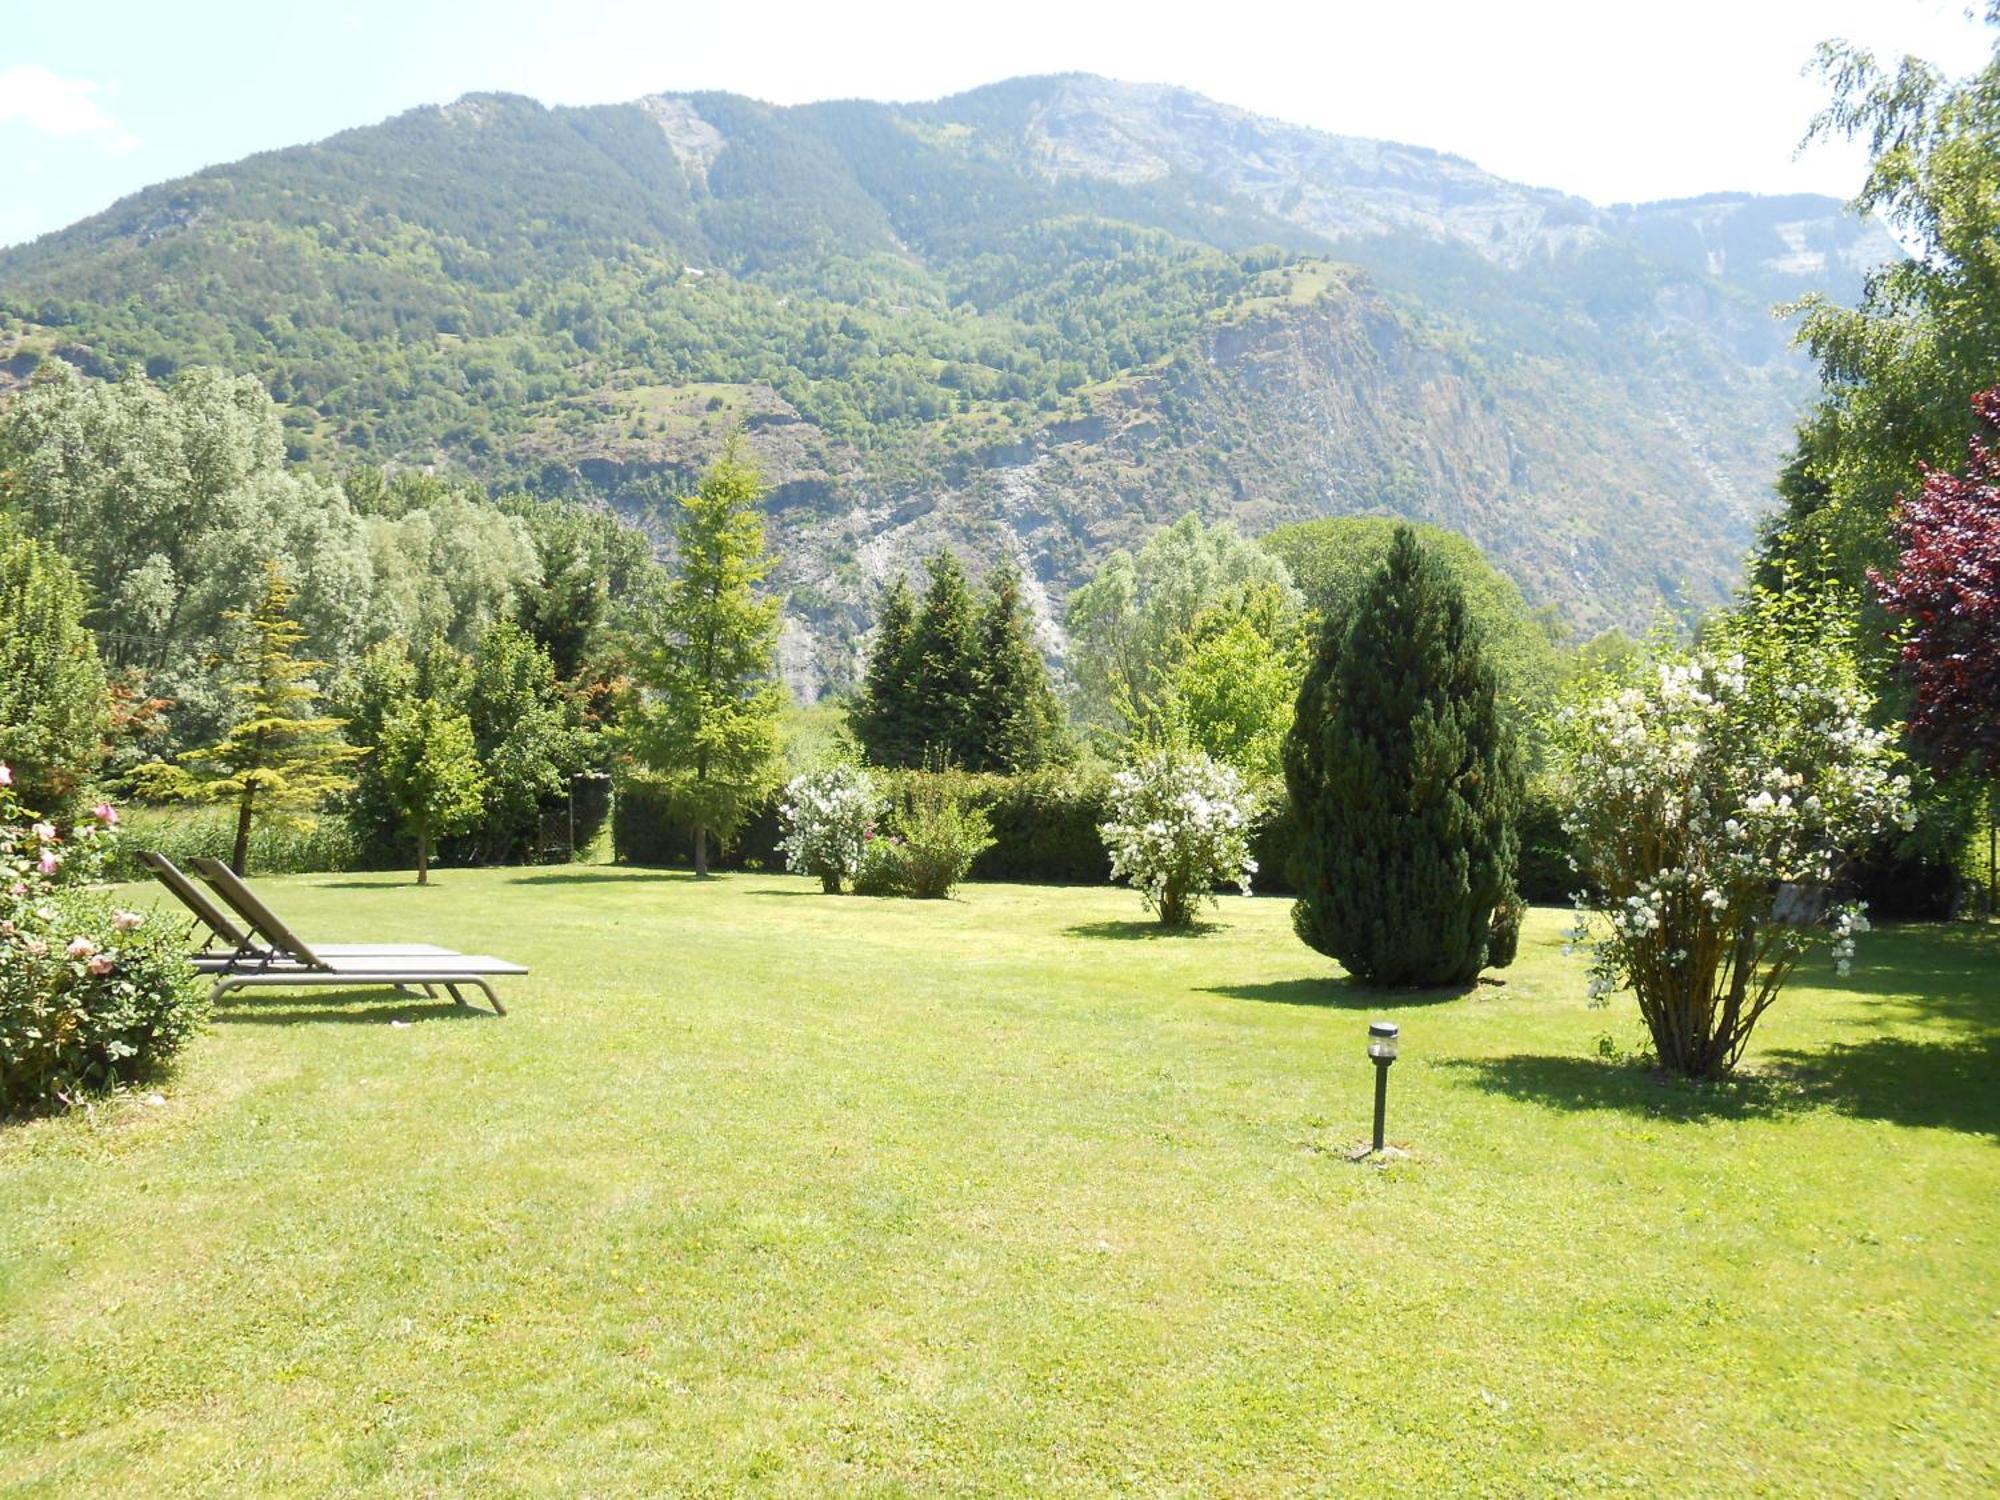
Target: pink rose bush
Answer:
pixel 91 995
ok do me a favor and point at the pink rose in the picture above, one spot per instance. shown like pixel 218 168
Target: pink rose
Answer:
pixel 106 814
pixel 6 774
pixel 125 921
pixel 103 964
pixel 46 832
pixel 80 947
pixel 49 863
pixel 35 947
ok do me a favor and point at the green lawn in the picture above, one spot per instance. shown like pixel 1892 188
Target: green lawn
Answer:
pixel 761 1190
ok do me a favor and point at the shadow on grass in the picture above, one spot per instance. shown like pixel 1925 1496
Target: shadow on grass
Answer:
pixel 1944 1084
pixel 337 1009
pixel 1137 931
pixel 1340 993
pixel 1588 1083
pixel 599 876
pixel 1929 993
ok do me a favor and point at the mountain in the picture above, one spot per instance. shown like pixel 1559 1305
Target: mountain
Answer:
pixel 1034 320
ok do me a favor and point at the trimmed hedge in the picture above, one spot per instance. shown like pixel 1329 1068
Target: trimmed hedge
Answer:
pixel 643 832
pixel 1044 833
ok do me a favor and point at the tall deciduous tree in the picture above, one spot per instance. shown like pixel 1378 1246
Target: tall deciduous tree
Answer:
pixel 53 704
pixel 281 753
pixel 1406 780
pixel 1895 370
pixel 1946 588
pixel 1129 625
pixel 706 657
pixel 430 770
pixel 528 740
pixel 166 497
pixel 389 677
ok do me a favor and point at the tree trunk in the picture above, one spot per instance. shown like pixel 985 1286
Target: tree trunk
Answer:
pixel 241 855
pixel 424 850
pixel 701 851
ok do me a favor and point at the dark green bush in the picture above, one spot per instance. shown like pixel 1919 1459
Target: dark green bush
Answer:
pixel 1403 766
pixel 1544 875
pixel 1503 938
pixel 645 832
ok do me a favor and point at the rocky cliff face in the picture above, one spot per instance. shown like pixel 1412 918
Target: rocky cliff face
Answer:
pixel 1033 322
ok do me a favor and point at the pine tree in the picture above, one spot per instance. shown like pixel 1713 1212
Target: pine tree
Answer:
pixel 53 703
pixel 880 718
pixel 280 754
pixel 707 657
pixel 1018 721
pixel 1406 781
pixel 944 665
pixel 429 763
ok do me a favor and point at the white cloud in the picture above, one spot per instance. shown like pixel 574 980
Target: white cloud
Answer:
pixel 50 104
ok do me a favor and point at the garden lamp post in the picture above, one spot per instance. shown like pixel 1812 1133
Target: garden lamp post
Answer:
pixel 1382 1037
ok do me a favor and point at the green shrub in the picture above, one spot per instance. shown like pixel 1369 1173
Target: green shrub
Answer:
pixel 89 996
pixel 883 871
pixel 1546 873
pixel 1045 826
pixel 942 832
pixel 1503 939
pixel 88 1000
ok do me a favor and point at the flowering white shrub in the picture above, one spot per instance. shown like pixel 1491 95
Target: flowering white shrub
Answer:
pixel 1179 825
pixel 1712 802
pixel 828 815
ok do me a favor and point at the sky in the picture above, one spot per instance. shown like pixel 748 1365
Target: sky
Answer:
pixel 1613 101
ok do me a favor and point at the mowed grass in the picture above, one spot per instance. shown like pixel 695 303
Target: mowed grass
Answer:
pixel 759 1190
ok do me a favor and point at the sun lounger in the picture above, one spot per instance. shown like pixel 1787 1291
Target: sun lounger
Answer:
pixel 244 951
pixel 302 964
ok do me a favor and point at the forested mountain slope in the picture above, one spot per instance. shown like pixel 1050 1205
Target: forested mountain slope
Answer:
pixel 1035 319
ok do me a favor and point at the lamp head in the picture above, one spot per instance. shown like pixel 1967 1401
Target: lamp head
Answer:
pixel 1382 1037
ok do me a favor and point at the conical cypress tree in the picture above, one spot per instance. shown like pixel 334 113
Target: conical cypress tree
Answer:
pixel 881 716
pixel 1405 779
pixel 944 664
pixel 1018 720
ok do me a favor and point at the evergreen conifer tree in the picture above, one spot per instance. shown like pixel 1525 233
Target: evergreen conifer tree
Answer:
pixel 944 664
pixel 881 716
pixel 1017 720
pixel 1406 781
pixel 281 754
pixel 708 658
